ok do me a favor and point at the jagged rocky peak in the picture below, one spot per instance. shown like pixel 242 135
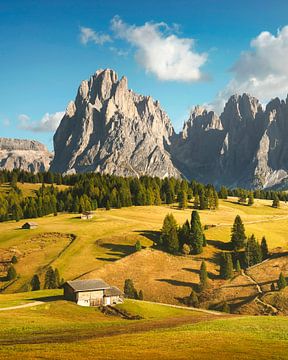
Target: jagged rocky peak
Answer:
pixel 109 128
pixel 26 155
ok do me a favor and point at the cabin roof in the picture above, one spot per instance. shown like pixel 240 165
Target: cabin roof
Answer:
pixel 112 291
pixel 86 285
pixel 30 223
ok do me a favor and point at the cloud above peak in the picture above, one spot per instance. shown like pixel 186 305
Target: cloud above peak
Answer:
pixel 161 52
pixel 262 70
pixel 89 35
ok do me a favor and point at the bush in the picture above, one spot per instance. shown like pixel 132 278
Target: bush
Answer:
pixel 138 246
pixel 11 273
pixel 14 259
pixel 186 249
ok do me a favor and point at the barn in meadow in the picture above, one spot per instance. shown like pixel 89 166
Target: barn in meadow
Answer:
pixel 92 293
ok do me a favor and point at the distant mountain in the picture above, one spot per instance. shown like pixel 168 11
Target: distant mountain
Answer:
pixel 111 129
pixel 26 155
pixel 246 146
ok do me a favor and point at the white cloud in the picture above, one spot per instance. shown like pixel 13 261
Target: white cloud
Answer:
pixel 89 35
pixel 48 123
pixel 262 71
pixel 161 52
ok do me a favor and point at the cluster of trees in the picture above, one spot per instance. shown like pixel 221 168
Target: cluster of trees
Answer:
pixel 130 291
pixel 193 298
pixel 52 280
pixel 188 238
pixel 247 251
pixel 92 190
pixel 244 194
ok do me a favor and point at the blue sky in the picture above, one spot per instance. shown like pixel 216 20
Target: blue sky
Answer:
pixel 207 51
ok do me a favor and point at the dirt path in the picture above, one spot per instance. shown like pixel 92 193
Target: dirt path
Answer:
pixel 258 299
pixel 35 303
pixel 211 312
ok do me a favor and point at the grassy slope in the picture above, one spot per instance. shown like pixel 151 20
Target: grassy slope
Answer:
pixel 27 189
pixel 61 330
pixel 111 235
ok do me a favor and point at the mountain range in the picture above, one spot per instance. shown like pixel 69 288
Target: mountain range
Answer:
pixel 111 129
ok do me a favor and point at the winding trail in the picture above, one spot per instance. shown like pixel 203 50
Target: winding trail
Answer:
pixel 34 303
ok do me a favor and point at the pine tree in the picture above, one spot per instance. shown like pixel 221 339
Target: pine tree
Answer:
pixel 223 193
pixel 169 236
pixel 108 207
pixel 11 273
pixel 264 248
pixel 238 266
pixel 57 278
pixel 138 245
pixel 184 233
pixel 129 289
pixel 238 236
pixel 253 253
pixel 196 201
pixel 250 199
pixel 196 233
pixel 282 283
pixel 182 198
pixel 35 283
pixel 173 242
pixel 50 279
pixel 226 266
pixel 140 296
pixel 276 202
pixel 203 276
pixel 193 299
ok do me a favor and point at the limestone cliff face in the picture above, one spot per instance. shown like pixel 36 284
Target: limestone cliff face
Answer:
pixel 246 146
pixel 25 155
pixel 110 129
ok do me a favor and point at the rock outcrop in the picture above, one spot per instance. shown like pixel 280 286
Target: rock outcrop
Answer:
pixel 246 146
pixel 111 129
pixel 25 155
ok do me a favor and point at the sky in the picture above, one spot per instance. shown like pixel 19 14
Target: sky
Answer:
pixel 181 52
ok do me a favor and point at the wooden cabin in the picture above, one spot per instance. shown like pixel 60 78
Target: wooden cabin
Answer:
pixel 92 293
pixel 29 225
pixel 86 215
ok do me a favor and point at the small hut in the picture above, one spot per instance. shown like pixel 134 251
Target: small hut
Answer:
pixel 30 225
pixel 86 215
pixel 92 293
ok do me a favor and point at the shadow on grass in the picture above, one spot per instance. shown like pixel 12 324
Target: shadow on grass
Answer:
pixel 178 282
pixel 49 298
pixel 195 271
pixel 220 245
pixel 150 235
pixel 118 250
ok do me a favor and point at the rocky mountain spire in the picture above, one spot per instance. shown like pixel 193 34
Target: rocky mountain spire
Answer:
pixel 111 129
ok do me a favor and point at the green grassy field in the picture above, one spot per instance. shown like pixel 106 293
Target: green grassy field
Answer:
pixel 60 330
pixel 111 235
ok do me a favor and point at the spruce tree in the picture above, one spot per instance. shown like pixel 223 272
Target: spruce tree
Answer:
pixel 276 202
pixel 196 233
pixel 169 236
pixel 253 254
pixel 184 233
pixel 250 199
pixel 138 245
pixel 182 199
pixel 203 276
pixel 264 248
pixel 282 283
pixel 173 242
pixel 196 201
pixel 35 283
pixel 50 279
pixel 11 273
pixel 193 299
pixel 129 289
pixel 226 266
pixel 140 296
pixel 238 236
pixel 238 266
